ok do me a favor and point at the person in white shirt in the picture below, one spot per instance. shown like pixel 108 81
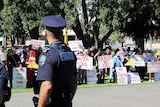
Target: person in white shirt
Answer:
pixel 3 58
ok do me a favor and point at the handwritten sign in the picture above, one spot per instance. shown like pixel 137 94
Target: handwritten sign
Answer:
pixel 37 43
pixel 134 78
pixel 19 77
pixel 153 67
pixel 139 60
pixel 84 62
pixel 76 45
pixel 157 76
pixel 91 76
pixel 104 61
pixel 122 76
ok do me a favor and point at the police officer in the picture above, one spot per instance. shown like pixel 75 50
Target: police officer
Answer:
pixel 3 84
pixel 57 67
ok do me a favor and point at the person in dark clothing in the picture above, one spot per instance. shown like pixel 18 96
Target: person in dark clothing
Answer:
pixel 13 60
pixel 3 84
pixel 57 71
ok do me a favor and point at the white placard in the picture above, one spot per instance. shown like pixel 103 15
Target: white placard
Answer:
pixel 37 43
pixel 122 76
pixel 84 62
pixel 139 60
pixel 104 61
pixel 75 45
pixel 134 78
pixel 157 76
pixel 19 77
pixel 91 76
pixel 153 67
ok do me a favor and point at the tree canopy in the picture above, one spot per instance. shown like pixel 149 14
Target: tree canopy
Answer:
pixel 93 21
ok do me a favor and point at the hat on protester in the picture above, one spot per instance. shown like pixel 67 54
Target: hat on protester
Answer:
pixel 32 52
pixel 54 23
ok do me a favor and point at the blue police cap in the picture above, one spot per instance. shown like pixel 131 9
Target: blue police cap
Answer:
pixel 54 22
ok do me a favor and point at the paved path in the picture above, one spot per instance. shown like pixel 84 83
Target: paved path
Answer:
pixel 116 96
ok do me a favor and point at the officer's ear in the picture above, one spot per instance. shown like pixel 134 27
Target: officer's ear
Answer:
pixel 45 32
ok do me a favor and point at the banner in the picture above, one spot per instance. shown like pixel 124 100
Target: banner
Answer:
pixel 139 60
pixel 84 62
pixel 104 61
pixel 134 78
pixel 153 67
pixel 122 76
pixel 19 77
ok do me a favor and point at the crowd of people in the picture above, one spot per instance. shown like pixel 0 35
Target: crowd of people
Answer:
pixel 24 55
pixel 20 57
pixel 119 58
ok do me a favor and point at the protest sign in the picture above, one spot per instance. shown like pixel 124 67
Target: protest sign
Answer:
pixel 157 76
pixel 19 77
pixel 84 62
pixel 37 43
pixel 134 78
pixel 91 76
pixel 75 45
pixel 122 76
pixel 104 61
pixel 153 67
pixel 139 60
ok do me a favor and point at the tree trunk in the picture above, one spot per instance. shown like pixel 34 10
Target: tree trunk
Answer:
pixel 34 33
pixel 105 38
pixel 79 32
pixel 139 42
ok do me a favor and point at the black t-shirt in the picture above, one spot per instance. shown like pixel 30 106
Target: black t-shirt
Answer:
pixel 14 60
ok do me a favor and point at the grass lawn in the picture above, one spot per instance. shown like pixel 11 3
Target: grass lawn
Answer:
pixel 106 84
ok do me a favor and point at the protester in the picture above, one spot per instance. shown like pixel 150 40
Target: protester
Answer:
pixel 3 58
pixel 30 71
pixel 116 62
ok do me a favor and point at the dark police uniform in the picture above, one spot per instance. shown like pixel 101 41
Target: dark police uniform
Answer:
pixel 58 65
pixel 3 83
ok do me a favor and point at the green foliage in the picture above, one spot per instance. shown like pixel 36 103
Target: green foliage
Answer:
pixel 157 12
pixel 106 13
pixel 24 15
pixel 113 37
pixel 19 16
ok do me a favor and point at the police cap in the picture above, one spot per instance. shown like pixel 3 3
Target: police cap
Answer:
pixel 53 23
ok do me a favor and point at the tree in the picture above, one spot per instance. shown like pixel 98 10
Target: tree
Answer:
pixel 142 21
pixel 135 17
pixel 100 16
pixel 20 17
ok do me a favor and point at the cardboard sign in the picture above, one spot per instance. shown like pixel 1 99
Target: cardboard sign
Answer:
pixel 84 62
pixel 19 77
pixel 134 78
pixel 91 76
pixel 104 61
pixel 122 76
pixel 76 45
pixel 157 76
pixel 139 60
pixel 37 43
pixel 153 67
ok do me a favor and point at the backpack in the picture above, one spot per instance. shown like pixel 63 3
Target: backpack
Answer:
pixel 4 80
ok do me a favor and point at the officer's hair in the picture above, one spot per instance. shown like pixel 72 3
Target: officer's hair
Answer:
pixel 57 35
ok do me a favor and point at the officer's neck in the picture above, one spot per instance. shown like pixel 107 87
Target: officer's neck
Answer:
pixel 53 41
